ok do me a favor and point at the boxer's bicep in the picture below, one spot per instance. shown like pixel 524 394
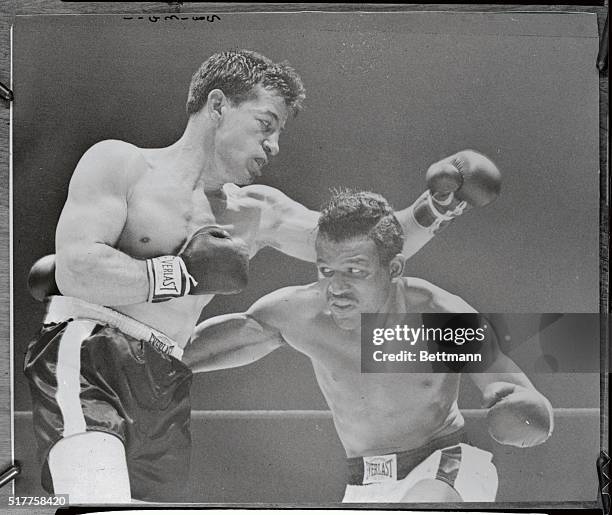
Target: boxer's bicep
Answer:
pixel 498 367
pixel 96 207
pixel 87 264
pixel 230 341
pixel 285 224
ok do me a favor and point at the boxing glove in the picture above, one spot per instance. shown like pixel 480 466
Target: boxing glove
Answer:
pixel 41 279
pixel 464 180
pixel 517 416
pixel 470 176
pixel 210 262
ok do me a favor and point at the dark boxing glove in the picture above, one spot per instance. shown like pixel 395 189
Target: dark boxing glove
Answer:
pixel 41 279
pixel 211 262
pixel 471 176
pixel 460 182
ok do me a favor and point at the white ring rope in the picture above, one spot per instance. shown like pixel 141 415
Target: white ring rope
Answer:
pixel 326 414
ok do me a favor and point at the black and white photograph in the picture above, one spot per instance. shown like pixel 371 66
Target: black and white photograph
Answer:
pixel 233 236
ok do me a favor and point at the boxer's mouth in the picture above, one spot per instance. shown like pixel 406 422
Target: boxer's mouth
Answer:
pixel 341 303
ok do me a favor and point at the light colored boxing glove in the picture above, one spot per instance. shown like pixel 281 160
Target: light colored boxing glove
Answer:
pixel 517 416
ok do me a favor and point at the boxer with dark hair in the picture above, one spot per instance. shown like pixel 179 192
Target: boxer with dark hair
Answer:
pixel 402 432
pixel 146 238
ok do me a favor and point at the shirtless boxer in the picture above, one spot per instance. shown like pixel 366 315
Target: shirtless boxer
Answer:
pixel 402 432
pixel 145 239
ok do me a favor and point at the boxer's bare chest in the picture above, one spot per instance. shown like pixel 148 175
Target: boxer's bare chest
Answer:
pixel 336 358
pixel 164 207
pixel 372 410
pixel 162 213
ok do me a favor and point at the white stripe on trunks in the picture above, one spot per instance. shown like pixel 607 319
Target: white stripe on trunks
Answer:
pixel 60 309
pixel 68 375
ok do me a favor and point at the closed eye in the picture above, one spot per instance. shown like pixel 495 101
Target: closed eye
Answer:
pixel 265 124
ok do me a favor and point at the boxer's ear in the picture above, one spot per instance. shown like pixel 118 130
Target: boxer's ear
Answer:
pixel 215 104
pixel 396 265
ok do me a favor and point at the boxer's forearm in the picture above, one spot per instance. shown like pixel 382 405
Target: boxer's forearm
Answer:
pixel 101 274
pixel 229 341
pixel 500 369
pixel 284 224
pixel 296 238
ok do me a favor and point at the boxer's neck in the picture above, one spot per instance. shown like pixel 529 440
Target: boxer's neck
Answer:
pixel 193 156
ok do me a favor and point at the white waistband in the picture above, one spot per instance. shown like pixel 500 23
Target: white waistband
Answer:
pixel 60 309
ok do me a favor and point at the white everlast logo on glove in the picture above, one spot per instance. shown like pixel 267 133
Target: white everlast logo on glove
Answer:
pixel 377 469
pixel 168 278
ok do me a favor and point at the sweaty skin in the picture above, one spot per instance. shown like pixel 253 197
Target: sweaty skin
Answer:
pixel 373 413
pixel 126 204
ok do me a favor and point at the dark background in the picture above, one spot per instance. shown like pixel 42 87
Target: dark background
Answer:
pixel 387 96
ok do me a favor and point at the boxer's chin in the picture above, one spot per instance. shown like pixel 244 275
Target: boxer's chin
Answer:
pixel 346 322
pixel 244 180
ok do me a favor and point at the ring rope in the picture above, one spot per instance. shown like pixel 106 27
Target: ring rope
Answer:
pixel 326 414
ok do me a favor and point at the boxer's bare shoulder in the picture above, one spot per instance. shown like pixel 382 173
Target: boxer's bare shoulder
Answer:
pixel 108 160
pixel 422 296
pixel 99 194
pixel 290 307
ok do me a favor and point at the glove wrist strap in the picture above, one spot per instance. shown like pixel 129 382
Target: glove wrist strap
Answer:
pixel 447 216
pixel 168 278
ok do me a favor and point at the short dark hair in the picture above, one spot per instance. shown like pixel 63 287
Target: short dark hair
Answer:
pixel 362 213
pixel 237 72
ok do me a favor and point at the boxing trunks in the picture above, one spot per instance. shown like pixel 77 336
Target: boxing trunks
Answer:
pixel 94 369
pixel 387 478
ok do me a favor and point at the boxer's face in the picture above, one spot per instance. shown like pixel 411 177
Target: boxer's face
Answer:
pixel 247 135
pixel 352 278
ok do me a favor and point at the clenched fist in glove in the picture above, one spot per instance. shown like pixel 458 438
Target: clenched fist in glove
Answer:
pixel 464 180
pixel 211 262
pixel 517 415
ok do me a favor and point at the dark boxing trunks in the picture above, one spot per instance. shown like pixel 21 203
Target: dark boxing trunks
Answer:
pixel 85 375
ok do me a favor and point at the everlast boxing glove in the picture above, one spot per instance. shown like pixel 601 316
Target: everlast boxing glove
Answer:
pixel 517 415
pixel 464 180
pixel 211 262
pixel 471 176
